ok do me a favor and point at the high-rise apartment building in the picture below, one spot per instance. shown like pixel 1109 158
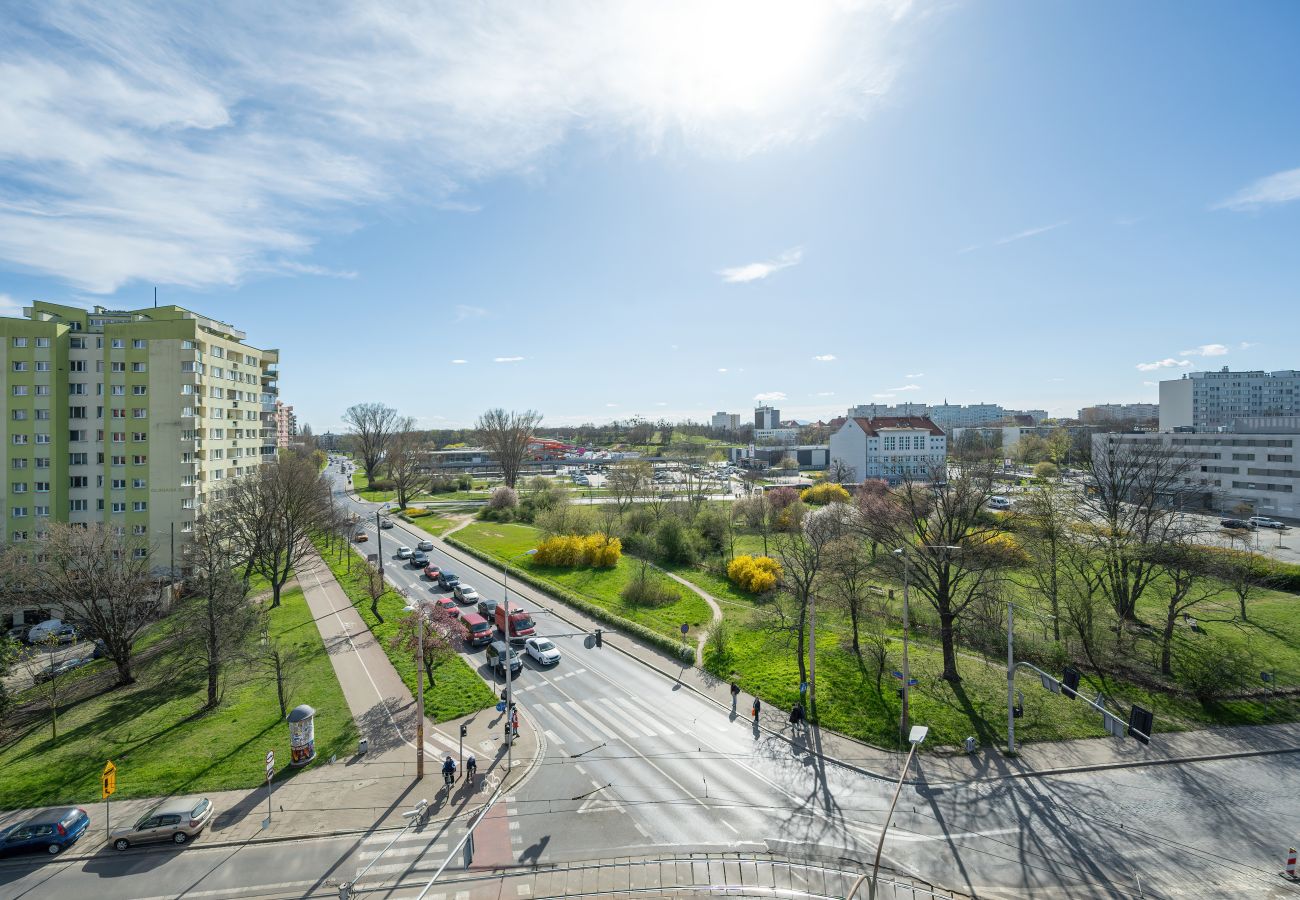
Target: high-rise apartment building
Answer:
pixel 286 425
pixel 1215 399
pixel 130 417
pixel 725 421
pixel 1104 413
pixel 767 418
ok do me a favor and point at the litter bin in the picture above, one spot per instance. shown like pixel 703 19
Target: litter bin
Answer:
pixel 970 745
pixel 302 735
pixel 363 746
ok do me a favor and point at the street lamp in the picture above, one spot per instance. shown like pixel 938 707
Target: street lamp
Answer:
pixel 901 552
pixel 915 738
pixel 505 632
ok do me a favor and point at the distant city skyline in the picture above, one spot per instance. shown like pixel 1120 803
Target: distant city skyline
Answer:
pixel 673 209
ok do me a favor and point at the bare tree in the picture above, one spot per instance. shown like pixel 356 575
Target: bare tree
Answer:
pixel 1241 570
pixel 507 435
pixel 372 426
pixel 47 679
pixel 278 508
pixel 376 587
pixel 283 666
pixel 101 579
pixel 1047 517
pixel 1188 583
pixel 840 472
pixel 925 521
pixel 627 480
pixel 221 621
pixel 405 451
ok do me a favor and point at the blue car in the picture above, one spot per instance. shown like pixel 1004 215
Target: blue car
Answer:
pixel 52 831
pixel 448 580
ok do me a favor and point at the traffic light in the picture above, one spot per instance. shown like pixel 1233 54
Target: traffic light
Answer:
pixel 600 639
pixel 1070 683
pixel 464 730
pixel 1140 722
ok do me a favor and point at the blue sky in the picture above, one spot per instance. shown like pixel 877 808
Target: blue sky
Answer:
pixel 606 210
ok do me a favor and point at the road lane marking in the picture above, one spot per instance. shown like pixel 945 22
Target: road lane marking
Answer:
pixel 578 710
pixel 619 714
pixel 729 825
pixel 555 738
pixel 582 733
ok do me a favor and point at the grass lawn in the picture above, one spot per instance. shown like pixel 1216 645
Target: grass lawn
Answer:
pixel 430 521
pixel 161 742
pixel 457 690
pixel 600 586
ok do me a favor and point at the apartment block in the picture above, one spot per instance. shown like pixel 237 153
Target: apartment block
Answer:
pixel 130 417
pixel 725 421
pixel 1203 400
pixel 1105 413
pixel 286 425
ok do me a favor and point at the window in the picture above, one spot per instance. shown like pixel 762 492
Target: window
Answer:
pixel 19 487
pixel 42 414
pixel 118 367
pixel 42 390
pixel 76 387
pixel 139 460
pixel 118 344
pixel 42 462
pixel 119 506
pixel 42 342
pixel 138 367
pixel 79 481
pixel 139 530
pixel 119 413
pixel 76 365
pixel 76 412
pixel 140 505
pixel 20 342
pixel 20 366
pixel 187 388
pixel 79 505
pixel 18 512
pixel 19 438
pixel 138 413
pixel 138 343
pixel 119 484
pixel 19 463
pixel 141 553
pixel 76 459
pixel 77 343
pixel 118 461
pixel 42 365
pixel 139 390
pixel 42 438
pixel 42 487
pixel 19 415
pixel 138 436
pixel 77 434
pixel 187 345
pixel 20 390
pixel 41 510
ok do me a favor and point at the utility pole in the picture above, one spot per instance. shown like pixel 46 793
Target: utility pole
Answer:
pixel 812 653
pixel 1011 678
pixel 379 544
pixel 419 692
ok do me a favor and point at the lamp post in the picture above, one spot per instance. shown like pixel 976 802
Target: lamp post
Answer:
pixel 1011 674
pixel 904 717
pixel 915 737
pixel 505 632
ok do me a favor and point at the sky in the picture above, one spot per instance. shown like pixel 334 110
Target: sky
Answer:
pixel 602 210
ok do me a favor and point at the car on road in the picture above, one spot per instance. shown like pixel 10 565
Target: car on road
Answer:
pixel 424 545
pixel 465 594
pixel 999 503
pixel 498 652
pixel 542 650
pixel 404 552
pixel 448 606
pixel 18 634
pixel 419 559
pixel 1236 524
pixel 49 673
pixel 448 580
pixel 385 523
pixel 178 820
pixel 487 608
pixel 53 831
pixel 432 571
pixel 476 629
pixel 360 537
pixel 1265 522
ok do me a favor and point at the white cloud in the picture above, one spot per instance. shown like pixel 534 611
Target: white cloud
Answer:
pixel 1281 187
pixel 883 396
pixel 1163 364
pixel 661 403
pixel 906 387
pixel 824 394
pixel 825 357
pixel 1206 350
pixel 769 397
pixel 459 362
pixel 1246 345
pixel 759 270
pixel 508 359
pixel 464 312
pixel 10 306
pixel 722 370
pixel 249 131
pixel 917 375
pixel 611 405
pixel 1018 236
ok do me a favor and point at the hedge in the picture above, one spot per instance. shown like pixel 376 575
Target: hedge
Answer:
pixel 583 605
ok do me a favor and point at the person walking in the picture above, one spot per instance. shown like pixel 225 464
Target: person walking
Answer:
pixel 735 695
pixel 514 720
pixel 797 715
pixel 757 708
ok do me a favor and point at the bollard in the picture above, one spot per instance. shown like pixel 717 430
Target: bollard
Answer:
pixel 1290 864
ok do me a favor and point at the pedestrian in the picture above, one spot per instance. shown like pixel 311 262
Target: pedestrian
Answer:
pixel 735 695
pixel 758 706
pixel 514 721
pixel 796 715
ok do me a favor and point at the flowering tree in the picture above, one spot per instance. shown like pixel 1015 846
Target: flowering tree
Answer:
pixel 438 635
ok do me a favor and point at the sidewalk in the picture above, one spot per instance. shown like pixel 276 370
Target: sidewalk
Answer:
pixel 1040 758
pixel 365 792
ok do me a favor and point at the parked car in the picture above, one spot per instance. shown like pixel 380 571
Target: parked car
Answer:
pixel 447 605
pixel 360 537
pixel 177 820
pixel 54 629
pixel 498 652
pixel 1265 522
pixel 17 633
pixel 487 608
pixel 999 503
pixel 49 673
pixel 403 552
pixel 385 523
pixel 448 580
pixel 53 831
pixel 424 545
pixel 542 650
pixel 465 594
pixel 476 629
pixel 432 571
pixel 1236 524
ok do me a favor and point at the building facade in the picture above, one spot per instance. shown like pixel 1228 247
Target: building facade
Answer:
pixel 766 418
pixel 725 421
pixel 129 417
pixel 1204 400
pixel 1106 413
pixel 872 410
pixel 286 425
pixel 895 448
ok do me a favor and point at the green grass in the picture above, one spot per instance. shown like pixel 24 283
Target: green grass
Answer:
pixel 162 742
pixel 600 586
pixel 430 521
pixel 456 691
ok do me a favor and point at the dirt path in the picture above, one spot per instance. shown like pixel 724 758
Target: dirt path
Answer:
pixel 713 605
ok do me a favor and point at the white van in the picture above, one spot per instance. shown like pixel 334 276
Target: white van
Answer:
pixel 44 630
pixel 999 503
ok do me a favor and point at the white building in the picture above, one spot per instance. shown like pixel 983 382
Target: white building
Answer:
pixel 1214 399
pixel 1105 413
pixel 776 435
pixel 725 421
pixel 894 448
pixel 872 410
pixel 952 415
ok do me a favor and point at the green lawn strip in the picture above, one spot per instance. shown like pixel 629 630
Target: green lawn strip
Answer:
pixel 457 690
pixel 161 742
pixel 738 607
pixel 429 520
pixel 598 586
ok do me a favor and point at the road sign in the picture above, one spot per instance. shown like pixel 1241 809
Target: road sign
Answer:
pixel 898 674
pixel 685 628
pixel 109 785
pixel 270 764
pixel 911 682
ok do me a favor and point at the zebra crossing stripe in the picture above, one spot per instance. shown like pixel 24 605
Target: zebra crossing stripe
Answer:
pixel 620 714
pixel 583 734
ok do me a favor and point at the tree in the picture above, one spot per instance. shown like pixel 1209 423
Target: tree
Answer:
pixel 372 426
pixel 1047 517
pixel 283 666
pixel 926 522
pixel 221 621
pixel 1241 570
pixel 404 458
pixel 278 507
pixel 1187 571
pixel 627 480
pixel 840 472
pixel 1045 470
pixel 376 587
pixel 507 435
pixel 9 650
pixel 436 633
pixel 47 680
pixel 100 579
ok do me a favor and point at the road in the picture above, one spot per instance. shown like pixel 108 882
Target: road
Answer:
pixel 634 762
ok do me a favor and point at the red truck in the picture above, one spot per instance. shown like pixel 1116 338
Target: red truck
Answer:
pixel 520 623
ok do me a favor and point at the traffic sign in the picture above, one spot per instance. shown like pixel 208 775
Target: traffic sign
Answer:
pixel 270 764
pixel 685 628
pixel 898 674
pixel 109 785
pixel 911 682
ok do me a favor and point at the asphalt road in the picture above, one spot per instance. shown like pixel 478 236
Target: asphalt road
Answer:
pixel 635 763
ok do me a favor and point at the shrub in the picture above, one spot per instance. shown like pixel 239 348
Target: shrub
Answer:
pixel 676 542
pixel 382 484
pixel 1046 469
pixel 755 574
pixel 718 643
pixel 782 497
pixel 503 498
pixel 711 524
pixel 572 551
pixel 488 514
pixel 790 518
pixel 1211 669
pixel 827 492
pixel 645 590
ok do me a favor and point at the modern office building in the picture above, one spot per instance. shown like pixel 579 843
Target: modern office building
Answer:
pixel 890 447
pixel 1106 413
pixel 130 417
pixel 767 418
pixel 776 435
pixel 873 410
pixel 1204 400
pixel 725 421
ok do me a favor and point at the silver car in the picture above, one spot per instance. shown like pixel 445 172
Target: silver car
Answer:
pixel 176 820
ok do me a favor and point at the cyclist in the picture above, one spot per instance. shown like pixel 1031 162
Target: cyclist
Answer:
pixel 449 771
pixel 471 769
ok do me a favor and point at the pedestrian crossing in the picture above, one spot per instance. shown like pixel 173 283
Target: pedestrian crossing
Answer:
pixel 426 849
pixel 595 720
